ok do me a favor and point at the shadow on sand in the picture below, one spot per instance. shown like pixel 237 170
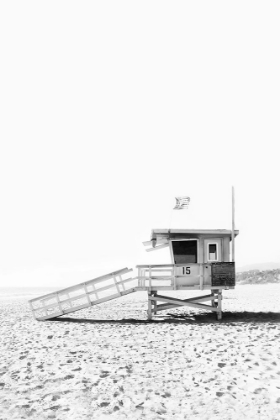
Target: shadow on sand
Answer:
pixel 188 318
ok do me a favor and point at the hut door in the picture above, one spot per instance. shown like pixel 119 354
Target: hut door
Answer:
pixel 212 250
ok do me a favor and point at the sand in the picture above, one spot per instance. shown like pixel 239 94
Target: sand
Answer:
pixel 108 362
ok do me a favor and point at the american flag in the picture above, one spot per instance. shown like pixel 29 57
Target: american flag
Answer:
pixel 182 203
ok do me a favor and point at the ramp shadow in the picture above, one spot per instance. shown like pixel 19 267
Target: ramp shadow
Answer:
pixel 185 318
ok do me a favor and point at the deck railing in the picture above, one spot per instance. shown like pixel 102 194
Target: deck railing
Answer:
pixel 151 275
pixel 176 276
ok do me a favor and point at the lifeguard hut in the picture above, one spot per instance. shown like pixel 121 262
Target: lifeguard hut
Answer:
pixel 200 260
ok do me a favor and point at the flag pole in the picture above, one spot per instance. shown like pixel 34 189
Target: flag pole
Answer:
pixel 232 233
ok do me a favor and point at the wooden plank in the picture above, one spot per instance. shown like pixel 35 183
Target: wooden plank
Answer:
pixel 86 292
pixel 77 308
pixel 168 306
pixel 107 298
pixel 76 287
pixel 163 270
pixel 94 291
pixel 131 290
pixel 171 305
pixel 158 241
pixel 72 299
pixel 110 278
pixel 167 232
pixel 127 280
pixel 54 315
pixel 219 308
pixel 110 286
pixel 183 303
pixel 200 276
pixel 85 305
pixel 233 227
pixel 195 287
pixel 149 305
pixel 69 300
pixel 116 285
pixel 154 309
pixel 198 306
pixel 195 299
pixel 43 301
pixel 79 287
pixel 35 316
pixel 155 266
pixel 52 305
pixel 226 249
pixel 120 282
pixel 157 247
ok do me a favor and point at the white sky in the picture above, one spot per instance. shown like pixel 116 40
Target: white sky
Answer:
pixel 110 109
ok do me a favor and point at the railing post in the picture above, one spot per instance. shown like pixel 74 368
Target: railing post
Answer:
pixel 149 306
pixel 86 292
pixel 120 279
pixel 139 277
pixel 58 302
pixel 155 303
pixel 116 284
pixel 200 276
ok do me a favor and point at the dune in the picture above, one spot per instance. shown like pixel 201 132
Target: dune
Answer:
pixel 109 362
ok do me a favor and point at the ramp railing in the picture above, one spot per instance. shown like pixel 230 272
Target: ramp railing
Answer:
pixel 83 295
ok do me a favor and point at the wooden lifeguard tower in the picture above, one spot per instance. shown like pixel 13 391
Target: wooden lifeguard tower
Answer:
pixel 200 260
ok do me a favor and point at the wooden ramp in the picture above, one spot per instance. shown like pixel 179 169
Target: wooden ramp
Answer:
pixel 83 295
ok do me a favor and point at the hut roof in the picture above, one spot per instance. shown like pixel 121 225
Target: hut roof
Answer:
pixel 187 233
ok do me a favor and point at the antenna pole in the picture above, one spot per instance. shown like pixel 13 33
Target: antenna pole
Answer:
pixel 232 233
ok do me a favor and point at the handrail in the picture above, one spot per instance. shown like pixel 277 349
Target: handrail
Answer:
pixel 170 265
pixel 171 275
pixel 154 265
pixel 65 300
pixel 87 283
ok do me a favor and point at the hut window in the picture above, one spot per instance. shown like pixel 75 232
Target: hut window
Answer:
pixel 212 252
pixel 185 251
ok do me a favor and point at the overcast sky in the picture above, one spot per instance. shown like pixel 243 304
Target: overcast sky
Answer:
pixel 110 109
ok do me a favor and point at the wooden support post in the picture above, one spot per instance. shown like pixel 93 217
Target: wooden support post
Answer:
pixel 58 302
pixel 155 304
pixel 213 302
pixel 140 279
pixel 219 313
pixel 95 292
pixel 200 276
pixel 70 301
pixel 117 286
pixel 233 227
pixel 120 279
pixel 86 292
pixel 149 306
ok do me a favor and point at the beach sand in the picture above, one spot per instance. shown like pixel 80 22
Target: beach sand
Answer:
pixel 108 362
